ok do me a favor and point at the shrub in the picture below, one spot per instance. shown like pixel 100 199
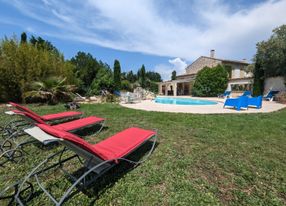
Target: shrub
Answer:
pixel 102 81
pixel 23 63
pixel 51 90
pixel 126 85
pixel 109 98
pixel 210 81
pixel 152 86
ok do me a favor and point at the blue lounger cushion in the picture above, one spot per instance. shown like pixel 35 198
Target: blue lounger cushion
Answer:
pixel 270 96
pixel 237 103
pixel 255 102
pixel 246 93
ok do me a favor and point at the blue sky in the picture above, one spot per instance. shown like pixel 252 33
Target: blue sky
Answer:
pixel 163 35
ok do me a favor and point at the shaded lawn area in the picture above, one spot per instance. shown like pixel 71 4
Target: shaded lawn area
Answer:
pixel 224 159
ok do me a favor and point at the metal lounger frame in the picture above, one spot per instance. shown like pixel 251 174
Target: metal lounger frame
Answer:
pixel 92 162
pixel 16 153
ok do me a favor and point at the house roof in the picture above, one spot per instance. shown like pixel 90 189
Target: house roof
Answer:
pixel 228 60
pixel 186 75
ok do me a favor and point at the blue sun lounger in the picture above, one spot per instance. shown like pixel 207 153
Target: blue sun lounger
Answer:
pixel 117 93
pixel 270 96
pixel 226 94
pixel 246 93
pixel 237 103
pixel 255 102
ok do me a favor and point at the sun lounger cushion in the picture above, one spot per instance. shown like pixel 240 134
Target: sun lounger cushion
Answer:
pixel 61 115
pixel 67 136
pixel 22 108
pixel 122 143
pixel 47 117
pixel 80 123
pixel 36 118
pixel 114 147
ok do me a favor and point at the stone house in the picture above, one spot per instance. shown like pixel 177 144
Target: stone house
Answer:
pixel 239 79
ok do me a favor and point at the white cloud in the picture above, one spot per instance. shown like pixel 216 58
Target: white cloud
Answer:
pixel 165 70
pixel 178 65
pixel 142 27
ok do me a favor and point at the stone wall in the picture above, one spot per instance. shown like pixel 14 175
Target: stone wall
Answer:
pixel 274 83
pixel 200 63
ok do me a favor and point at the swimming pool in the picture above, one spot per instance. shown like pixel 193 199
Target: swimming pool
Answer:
pixel 183 101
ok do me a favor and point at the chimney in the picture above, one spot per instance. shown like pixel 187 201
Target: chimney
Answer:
pixel 212 53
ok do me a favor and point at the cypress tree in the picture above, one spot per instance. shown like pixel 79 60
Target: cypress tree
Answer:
pixel 23 38
pixel 142 76
pixel 117 75
pixel 174 75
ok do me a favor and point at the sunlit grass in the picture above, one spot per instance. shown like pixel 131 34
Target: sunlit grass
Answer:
pixel 200 159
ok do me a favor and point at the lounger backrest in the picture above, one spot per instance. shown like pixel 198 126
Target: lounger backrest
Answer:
pixel 227 93
pixel 24 109
pixel 67 137
pixel 246 93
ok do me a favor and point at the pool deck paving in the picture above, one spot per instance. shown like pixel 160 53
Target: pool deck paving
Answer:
pixel 150 105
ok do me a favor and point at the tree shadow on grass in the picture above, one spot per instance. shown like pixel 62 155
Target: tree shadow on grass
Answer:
pixel 92 130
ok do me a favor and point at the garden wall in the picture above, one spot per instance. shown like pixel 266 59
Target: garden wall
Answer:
pixel 274 83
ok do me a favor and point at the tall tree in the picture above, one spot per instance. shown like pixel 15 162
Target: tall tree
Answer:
pixel 117 75
pixel 270 58
pixel 41 43
pixel 271 54
pixel 86 68
pixel 23 38
pixel 102 81
pixel 174 75
pixel 142 76
pixel 153 76
pixel 131 77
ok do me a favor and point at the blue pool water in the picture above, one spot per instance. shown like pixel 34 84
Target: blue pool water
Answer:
pixel 183 101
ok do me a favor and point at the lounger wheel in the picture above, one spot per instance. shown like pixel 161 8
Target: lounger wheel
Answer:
pixel 25 194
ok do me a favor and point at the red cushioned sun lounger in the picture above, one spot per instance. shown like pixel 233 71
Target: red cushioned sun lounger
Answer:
pixel 98 159
pixel 11 147
pixel 48 117
pixel 66 126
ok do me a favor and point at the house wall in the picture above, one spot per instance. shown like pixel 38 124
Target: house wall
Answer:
pixel 274 83
pixel 238 71
pixel 200 63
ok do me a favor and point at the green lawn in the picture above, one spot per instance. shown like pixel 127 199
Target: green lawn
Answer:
pixel 200 160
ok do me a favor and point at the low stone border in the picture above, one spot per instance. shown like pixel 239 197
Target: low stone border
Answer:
pixel 150 105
